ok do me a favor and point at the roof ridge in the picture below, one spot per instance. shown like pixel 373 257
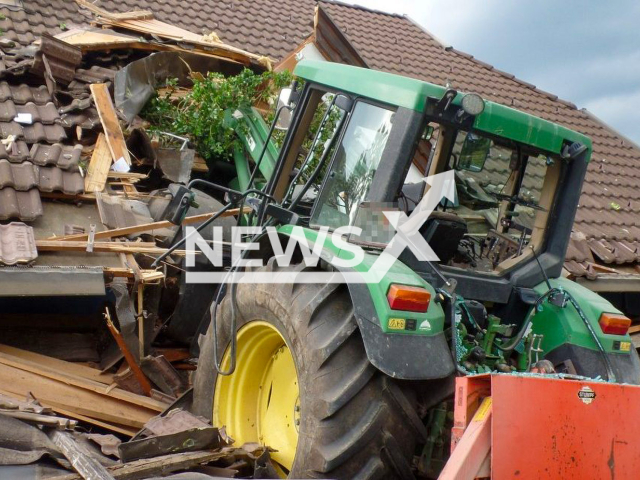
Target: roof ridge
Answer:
pixel 366 9
pixel 608 127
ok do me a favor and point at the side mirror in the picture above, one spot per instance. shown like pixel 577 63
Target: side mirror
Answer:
pixel 474 153
pixel 284 99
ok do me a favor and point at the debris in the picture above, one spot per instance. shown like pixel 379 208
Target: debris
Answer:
pixel 109 247
pixel 118 212
pixel 176 165
pixel 120 166
pixel 162 373
pixel 17 244
pixel 157 466
pixel 48 420
pixel 108 443
pixel 173 421
pixel 131 361
pixel 88 467
pixel 110 123
pixel 150 227
pixel 201 438
pixel 69 390
pixel 98 166
pixel 21 443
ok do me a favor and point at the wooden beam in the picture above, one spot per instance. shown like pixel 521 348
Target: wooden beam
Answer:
pixel 101 247
pixel 110 123
pixel 99 166
pixel 49 391
pixel 146 275
pixel 71 368
pixel 69 378
pixel 149 227
pixel 114 427
pixel 135 368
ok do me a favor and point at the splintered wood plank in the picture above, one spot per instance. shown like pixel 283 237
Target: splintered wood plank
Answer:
pixel 71 368
pixel 148 227
pixel 99 166
pixel 102 247
pixel 110 124
pixel 72 398
pixel 81 382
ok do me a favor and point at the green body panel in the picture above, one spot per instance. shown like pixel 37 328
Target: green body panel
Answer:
pixel 412 94
pixel 241 182
pixel 432 321
pixel 252 132
pixel 564 325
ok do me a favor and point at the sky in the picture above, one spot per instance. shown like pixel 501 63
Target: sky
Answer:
pixel 584 51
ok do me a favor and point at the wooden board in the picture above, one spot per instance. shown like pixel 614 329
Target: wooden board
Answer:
pixel 102 247
pixel 67 378
pixel 110 122
pixel 71 368
pixel 85 402
pixel 99 166
pixel 149 227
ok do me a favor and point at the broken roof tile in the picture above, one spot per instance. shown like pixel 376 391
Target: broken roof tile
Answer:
pixel 17 244
pixel 20 176
pixel 87 119
pixel 24 206
pixel 65 157
pixel 117 212
pixel 55 179
pixel 95 74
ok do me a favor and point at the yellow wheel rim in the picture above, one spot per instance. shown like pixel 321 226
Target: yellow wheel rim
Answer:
pixel 260 401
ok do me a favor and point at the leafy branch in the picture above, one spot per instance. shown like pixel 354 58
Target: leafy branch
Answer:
pixel 199 113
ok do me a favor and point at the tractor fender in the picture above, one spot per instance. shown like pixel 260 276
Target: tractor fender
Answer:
pixel 401 356
pixel 406 357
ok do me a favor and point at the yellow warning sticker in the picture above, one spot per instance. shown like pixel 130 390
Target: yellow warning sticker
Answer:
pixel 625 346
pixel 396 323
pixel 485 407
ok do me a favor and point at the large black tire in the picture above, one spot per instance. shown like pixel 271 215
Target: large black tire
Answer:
pixel 356 422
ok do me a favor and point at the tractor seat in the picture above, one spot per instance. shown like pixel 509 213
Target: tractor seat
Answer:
pixel 443 232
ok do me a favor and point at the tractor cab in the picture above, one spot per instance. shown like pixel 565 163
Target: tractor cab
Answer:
pixel 363 142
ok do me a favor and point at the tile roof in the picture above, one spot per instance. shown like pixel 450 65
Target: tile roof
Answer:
pixel 23 205
pixel 25 176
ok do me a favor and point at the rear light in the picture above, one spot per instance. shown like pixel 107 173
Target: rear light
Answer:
pixel 410 299
pixel 614 323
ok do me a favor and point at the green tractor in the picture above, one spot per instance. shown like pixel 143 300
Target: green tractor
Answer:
pixel 354 379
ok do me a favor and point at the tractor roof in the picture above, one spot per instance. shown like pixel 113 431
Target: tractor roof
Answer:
pixel 410 93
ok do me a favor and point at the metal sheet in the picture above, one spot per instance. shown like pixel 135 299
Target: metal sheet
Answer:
pixel 553 428
pixel 51 281
pixel 186 441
